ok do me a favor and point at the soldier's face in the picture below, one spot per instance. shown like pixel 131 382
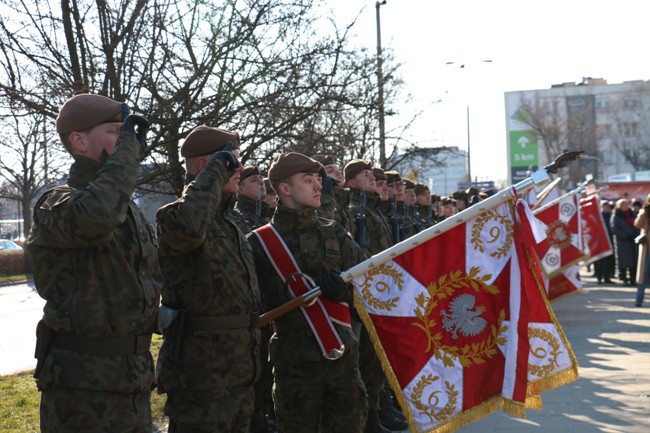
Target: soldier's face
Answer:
pixel 410 197
pixel 233 184
pixel 363 180
pixel 424 199
pixel 381 187
pixel 400 191
pixel 102 137
pixel 252 187
pixel 302 191
pixel 334 171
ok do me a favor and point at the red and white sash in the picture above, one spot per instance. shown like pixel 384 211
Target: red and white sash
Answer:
pixel 320 314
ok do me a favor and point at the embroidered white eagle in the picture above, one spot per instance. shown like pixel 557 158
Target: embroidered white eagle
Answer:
pixel 463 317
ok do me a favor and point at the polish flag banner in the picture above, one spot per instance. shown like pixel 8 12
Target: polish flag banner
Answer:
pixel 461 325
pixel 563 246
pixel 594 230
pixel 564 283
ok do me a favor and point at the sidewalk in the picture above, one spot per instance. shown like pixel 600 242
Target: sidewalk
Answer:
pixel 611 340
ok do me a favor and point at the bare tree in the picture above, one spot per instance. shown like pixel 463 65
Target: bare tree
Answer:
pixel 28 164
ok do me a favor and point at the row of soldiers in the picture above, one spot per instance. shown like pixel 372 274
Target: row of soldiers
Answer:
pixel 217 258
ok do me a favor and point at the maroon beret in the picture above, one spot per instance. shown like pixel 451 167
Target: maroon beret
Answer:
pixel 85 111
pixel 324 159
pixel 420 188
pixel 204 140
pixel 355 167
pixel 409 184
pixel 393 177
pixel 379 173
pixel 288 164
pixel 249 171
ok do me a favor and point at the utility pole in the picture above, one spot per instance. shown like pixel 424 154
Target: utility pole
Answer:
pixel 380 86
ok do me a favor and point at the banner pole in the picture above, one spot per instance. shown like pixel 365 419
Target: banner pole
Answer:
pixel 539 177
pixel 577 190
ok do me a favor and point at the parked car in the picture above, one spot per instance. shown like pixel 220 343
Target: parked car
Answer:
pixel 7 245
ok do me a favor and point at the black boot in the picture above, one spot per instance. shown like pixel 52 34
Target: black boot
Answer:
pixel 390 414
pixel 373 425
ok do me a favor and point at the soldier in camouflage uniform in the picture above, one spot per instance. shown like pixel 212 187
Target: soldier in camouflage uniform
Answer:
pixel 334 202
pixel 209 359
pixel 376 238
pixel 250 195
pixel 423 208
pixel 95 263
pixel 312 394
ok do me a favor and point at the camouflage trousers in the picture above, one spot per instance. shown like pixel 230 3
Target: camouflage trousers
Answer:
pixel 263 397
pixel 217 410
pixel 371 372
pixel 86 411
pixel 324 396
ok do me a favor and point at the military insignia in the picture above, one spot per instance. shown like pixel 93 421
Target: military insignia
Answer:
pixel 426 397
pixel 463 317
pixel 448 319
pixel 492 232
pixel 372 284
pixel 559 234
pixel 546 348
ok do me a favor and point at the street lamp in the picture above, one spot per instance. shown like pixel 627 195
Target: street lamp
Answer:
pixel 469 161
pixel 380 87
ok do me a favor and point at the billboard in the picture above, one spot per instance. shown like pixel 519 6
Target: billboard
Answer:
pixel 524 157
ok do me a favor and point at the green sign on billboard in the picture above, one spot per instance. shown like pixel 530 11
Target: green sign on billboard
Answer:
pixel 523 149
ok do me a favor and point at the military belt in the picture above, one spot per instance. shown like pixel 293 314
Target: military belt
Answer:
pixel 105 346
pixel 216 323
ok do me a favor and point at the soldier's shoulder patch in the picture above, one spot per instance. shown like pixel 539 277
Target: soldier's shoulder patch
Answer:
pixel 55 197
pixel 349 235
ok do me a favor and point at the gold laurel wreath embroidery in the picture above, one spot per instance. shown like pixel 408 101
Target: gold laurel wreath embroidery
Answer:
pixel 381 286
pixel 425 409
pixel 541 353
pixel 478 227
pixel 444 288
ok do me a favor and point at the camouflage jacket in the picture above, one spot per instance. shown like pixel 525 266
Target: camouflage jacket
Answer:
pixel 208 270
pixel 424 214
pixel 318 245
pixel 378 236
pixel 95 263
pixel 247 208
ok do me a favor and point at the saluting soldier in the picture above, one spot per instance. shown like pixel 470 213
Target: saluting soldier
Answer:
pixel 209 359
pixel 314 350
pixel 95 263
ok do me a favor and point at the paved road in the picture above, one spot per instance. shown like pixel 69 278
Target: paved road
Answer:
pixel 20 310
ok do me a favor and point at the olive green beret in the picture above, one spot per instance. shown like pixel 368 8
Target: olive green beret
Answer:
pixel 393 177
pixel 355 167
pixel 379 173
pixel 420 188
pixel 249 171
pixel 85 111
pixel 324 159
pixel 204 140
pixel 288 164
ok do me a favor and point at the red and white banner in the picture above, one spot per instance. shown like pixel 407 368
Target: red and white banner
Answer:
pixel 564 283
pixel 594 231
pixel 461 324
pixel 563 246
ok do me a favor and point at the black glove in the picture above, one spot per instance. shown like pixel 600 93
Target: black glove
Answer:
pixel 332 286
pixel 227 159
pixel 328 182
pixel 142 123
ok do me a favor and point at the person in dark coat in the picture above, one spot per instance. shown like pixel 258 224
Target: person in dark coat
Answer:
pixel 605 268
pixel 622 223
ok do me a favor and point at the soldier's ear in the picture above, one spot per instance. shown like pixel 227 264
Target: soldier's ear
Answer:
pixel 77 143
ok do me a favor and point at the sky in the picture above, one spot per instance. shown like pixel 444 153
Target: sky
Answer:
pixel 532 44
